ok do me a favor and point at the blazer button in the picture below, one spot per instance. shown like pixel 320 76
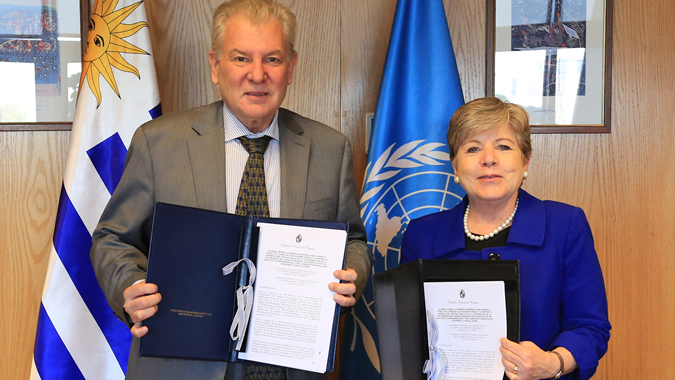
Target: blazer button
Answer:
pixel 494 256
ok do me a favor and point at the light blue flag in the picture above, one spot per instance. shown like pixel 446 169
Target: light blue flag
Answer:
pixel 78 336
pixel 409 172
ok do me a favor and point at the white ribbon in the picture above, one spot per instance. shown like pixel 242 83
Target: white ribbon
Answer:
pixel 244 302
pixel 435 366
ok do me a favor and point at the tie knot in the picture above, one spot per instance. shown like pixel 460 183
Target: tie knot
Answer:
pixel 258 145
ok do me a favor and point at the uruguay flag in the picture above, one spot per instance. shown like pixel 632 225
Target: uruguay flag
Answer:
pixel 409 172
pixel 78 337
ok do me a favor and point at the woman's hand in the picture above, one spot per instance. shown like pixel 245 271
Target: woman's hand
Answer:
pixel 527 361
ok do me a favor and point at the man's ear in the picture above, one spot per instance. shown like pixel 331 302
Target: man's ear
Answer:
pixel 291 67
pixel 213 61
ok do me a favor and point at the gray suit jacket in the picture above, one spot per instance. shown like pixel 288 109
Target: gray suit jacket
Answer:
pixel 180 158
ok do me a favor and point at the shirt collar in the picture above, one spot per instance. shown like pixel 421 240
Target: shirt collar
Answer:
pixel 234 128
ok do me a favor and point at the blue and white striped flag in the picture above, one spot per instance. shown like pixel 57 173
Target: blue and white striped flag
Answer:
pixel 409 172
pixel 78 337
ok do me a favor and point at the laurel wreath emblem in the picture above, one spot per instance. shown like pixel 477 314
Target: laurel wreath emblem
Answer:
pixel 409 155
pixel 387 166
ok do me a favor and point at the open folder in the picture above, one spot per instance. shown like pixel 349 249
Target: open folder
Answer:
pixel 294 320
pixel 402 318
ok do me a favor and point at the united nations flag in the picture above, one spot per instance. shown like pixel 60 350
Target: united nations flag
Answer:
pixel 409 172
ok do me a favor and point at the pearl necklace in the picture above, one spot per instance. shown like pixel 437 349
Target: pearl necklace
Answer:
pixel 491 234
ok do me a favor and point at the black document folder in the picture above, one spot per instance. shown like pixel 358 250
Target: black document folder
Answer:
pixel 188 249
pixel 401 313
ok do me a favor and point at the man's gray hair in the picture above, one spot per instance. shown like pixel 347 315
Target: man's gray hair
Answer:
pixel 257 12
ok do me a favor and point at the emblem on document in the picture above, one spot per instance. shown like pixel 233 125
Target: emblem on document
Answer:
pixel 298 239
pixel 462 294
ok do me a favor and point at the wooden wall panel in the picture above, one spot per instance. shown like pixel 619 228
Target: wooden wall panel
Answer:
pixel 180 32
pixel 31 172
pixel 365 28
pixel 621 180
pixel 466 21
pixel 315 92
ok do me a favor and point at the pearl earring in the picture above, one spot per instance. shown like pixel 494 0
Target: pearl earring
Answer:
pixel 457 180
pixel 524 175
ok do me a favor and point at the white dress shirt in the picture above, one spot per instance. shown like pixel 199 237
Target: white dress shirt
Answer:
pixel 236 156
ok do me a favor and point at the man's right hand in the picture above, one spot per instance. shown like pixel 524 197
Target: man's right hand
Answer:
pixel 140 302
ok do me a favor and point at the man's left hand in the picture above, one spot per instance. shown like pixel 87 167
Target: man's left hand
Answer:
pixel 345 290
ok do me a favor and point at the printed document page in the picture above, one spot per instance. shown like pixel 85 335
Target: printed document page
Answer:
pixel 293 309
pixel 471 318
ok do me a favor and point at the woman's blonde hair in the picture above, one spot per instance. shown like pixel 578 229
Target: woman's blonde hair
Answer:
pixel 257 12
pixel 482 114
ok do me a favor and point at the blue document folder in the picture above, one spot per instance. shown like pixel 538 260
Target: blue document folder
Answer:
pixel 188 249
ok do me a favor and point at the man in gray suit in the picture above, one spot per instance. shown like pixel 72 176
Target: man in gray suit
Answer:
pixel 195 158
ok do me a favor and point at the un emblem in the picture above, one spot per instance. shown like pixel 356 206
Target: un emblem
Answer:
pixel 401 184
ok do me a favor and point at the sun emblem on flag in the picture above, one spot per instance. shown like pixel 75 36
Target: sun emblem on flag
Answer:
pixel 105 43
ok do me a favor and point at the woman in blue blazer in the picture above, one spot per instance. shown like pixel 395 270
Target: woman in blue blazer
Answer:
pixel 564 324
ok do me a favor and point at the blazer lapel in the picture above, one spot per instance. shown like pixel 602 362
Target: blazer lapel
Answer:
pixel 450 236
pixel 207 159
pixel 294 151
pixel 529 224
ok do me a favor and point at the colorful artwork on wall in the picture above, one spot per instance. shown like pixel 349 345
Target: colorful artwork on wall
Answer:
pixel 29 34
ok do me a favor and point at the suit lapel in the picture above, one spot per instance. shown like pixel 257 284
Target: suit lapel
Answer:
pixel 294 166
pixel 207 159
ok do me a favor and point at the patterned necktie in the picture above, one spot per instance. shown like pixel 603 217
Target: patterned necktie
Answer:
pixel 252 198
pixel 265 372
pixel 252 201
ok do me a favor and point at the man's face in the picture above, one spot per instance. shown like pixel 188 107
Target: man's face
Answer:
pixel 253 71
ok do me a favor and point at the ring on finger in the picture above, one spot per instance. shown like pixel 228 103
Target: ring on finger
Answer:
pixel 515 369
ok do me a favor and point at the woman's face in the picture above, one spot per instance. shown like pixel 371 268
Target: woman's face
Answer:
pixel 490 165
